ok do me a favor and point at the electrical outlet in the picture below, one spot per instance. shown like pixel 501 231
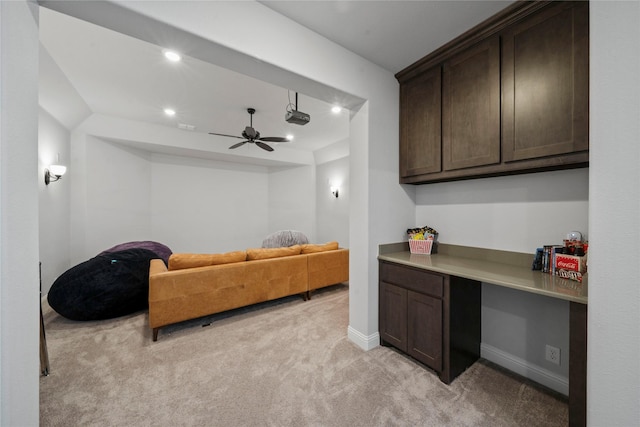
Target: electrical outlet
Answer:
pixel 552 354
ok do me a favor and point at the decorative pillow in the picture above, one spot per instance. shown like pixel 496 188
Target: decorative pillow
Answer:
pixel 312 248
pixel 181 261
pixel 284 238
pixel 266 253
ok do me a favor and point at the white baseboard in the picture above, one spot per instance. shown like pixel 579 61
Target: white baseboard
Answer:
pixel 526 369
pixel 363 341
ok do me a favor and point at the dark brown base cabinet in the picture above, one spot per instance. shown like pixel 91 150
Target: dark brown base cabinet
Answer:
pixel 434 318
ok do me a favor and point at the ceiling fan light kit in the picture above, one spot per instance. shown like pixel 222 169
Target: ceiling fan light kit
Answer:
pixel 250 135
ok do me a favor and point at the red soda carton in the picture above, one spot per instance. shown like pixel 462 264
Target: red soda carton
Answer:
pixel 571 266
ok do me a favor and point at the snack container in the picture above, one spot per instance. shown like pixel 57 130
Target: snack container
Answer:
pixel 421 246
pixel 421 239
pixel 570 266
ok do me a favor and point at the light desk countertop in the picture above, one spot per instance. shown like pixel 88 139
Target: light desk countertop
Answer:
pixel 509 269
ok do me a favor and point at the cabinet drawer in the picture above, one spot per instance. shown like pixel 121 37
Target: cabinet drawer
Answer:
pixel 413 279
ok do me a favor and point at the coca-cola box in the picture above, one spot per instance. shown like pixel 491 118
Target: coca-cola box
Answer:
pixel 571 266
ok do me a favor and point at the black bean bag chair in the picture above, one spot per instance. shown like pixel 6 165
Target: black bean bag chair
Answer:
pixel 109 285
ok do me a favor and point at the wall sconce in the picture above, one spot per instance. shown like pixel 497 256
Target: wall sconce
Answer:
pixel 54 173
pixel 335 191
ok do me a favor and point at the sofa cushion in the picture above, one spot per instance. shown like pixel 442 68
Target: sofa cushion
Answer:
pixel 186 260
pixel 266 253
pixel 313 248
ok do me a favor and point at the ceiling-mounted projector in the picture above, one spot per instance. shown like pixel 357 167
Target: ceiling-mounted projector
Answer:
pixel 294 116
pixel 297 117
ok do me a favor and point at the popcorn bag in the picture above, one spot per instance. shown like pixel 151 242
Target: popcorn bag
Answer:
pixel 421 240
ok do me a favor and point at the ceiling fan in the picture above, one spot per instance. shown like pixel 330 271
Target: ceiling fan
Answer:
pixel 253 136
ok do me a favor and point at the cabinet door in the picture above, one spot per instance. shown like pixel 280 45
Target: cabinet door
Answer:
pixel 393 315
pixel 545 83
pixel 424 340
pixel 471 107
pixel 420 124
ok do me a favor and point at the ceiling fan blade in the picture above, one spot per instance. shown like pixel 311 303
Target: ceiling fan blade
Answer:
pixel 263 146
pixel 250 132
pixel 274 139
pixel 239 144
pixel 222 134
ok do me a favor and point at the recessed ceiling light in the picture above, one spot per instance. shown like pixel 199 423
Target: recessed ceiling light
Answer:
pixel 172 56
pixel 289 137
pixel 170 112
pixel 336 109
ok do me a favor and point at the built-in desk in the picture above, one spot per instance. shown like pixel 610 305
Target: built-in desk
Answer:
pixel 462 270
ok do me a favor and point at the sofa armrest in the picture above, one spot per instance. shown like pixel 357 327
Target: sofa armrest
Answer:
pixel 156 266
pixel 328 268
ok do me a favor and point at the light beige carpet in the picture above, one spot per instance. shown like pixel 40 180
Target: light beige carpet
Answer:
pixel 287 363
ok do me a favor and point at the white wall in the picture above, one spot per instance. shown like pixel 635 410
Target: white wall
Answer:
pixel 110 197
pixel 516 327
pixel 54 200
pixel 118 205
pixel 613 345
pixel 78 177
pixel 196 205
pixel 333 213
pixel 19 176
pixel 516 213
pixel 291 197
pixel 203 206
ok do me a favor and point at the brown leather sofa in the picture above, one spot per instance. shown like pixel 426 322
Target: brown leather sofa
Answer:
pixel 196 285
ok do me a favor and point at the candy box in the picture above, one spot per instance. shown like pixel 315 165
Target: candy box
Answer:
pixel 570 266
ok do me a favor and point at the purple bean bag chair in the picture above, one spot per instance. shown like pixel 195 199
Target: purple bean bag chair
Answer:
pixel 161 250
pixel 112 284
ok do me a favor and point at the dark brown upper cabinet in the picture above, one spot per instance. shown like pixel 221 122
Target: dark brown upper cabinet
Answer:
pixel 509 96
pixel 420 124
pixel 471 107
pixel 545 84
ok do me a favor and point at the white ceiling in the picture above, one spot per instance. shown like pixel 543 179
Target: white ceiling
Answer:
pixel 102 72
pixel 120 76
pixel 390 33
